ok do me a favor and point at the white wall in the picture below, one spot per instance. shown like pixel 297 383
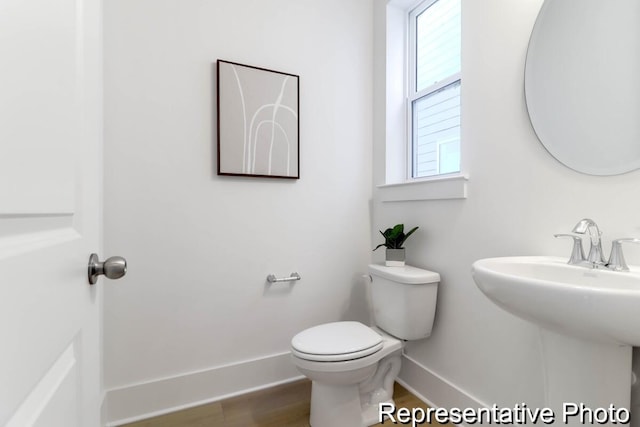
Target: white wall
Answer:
pixel 518 197
pixel 194 302
pixel 200 246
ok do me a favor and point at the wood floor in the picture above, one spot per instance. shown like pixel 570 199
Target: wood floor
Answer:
pixel 283 406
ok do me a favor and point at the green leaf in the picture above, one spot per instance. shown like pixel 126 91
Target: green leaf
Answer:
pixel 404 237
pixel 398 231
pixel 410 232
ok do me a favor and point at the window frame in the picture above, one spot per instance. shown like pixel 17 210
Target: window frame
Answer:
pixel 413 95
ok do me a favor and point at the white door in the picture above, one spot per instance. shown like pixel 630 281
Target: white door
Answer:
pixel 50 168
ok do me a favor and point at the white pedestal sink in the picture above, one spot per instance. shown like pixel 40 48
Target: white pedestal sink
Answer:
pixel 589 320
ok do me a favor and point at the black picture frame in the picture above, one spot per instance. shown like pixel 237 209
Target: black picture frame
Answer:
pixel 258 121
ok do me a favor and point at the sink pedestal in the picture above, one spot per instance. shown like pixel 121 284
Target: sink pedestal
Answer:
pixel 582 371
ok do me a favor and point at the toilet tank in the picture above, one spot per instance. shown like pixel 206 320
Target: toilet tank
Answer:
pixel 404 300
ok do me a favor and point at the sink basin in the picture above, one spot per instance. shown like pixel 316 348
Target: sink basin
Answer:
pixel 596 304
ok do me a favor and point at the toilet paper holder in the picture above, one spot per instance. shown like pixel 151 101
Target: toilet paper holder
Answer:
pixel 273 279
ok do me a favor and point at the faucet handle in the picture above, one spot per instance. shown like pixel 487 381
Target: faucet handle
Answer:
pixel 616 259
pixel 577 254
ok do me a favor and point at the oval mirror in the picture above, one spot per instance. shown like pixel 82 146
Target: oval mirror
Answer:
pixel 582 83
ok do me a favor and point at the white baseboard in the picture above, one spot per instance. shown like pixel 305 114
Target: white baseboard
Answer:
pixel 139 401
pixel 433 389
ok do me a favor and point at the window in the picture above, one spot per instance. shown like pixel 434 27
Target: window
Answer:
pixel 434 88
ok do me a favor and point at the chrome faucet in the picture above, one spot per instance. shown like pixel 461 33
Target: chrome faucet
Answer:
pixel 595 257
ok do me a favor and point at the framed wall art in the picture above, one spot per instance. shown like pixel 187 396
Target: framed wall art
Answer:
pixel 258 121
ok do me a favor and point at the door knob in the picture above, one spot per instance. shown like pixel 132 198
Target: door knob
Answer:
pixel 113 268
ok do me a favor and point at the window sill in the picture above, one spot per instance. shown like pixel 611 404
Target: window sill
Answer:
pixel 438 188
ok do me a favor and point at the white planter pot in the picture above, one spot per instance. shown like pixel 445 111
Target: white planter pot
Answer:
pixel 394 257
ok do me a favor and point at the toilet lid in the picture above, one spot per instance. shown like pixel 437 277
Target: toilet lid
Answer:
pixel 336 341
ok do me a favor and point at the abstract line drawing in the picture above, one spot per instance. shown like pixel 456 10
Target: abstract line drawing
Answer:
pixel 258 121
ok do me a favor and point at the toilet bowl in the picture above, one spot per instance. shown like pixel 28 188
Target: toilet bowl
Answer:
pixel 339 358
pixel 353 366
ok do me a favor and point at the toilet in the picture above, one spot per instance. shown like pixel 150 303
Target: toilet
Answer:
pixel 353 366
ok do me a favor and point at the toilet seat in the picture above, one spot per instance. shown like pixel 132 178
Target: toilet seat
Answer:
pixel 337 357
pixel 336 341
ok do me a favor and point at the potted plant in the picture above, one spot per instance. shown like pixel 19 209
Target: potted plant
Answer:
pixel 394 238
